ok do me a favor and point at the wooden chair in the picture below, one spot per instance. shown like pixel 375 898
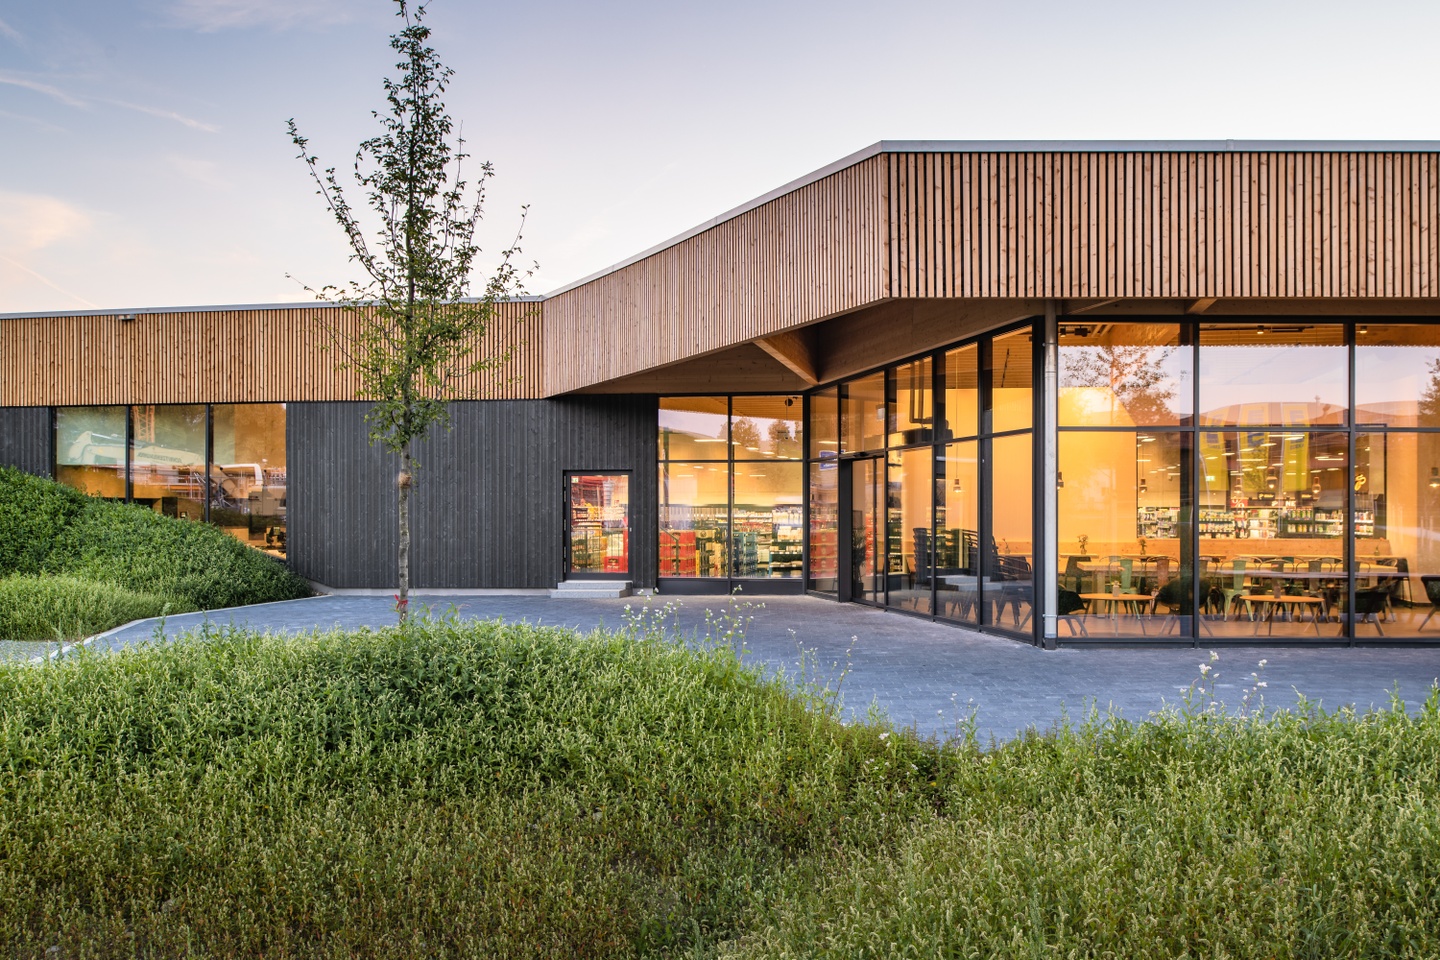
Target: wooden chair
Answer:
pixel 1432 592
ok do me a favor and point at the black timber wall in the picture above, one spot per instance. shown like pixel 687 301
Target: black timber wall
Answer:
pixel 488 503
pixel 25 439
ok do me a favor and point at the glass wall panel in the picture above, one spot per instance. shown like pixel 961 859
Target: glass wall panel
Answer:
pixel 824 526
pixel 766 519
pixel 1120 510
pixel 1124 375
pixel 911 488
pixel 867 530
pixel 1009 589
pixel 825 424
pixel 766 428
pixel 90 450
pixel 962 392
pixel 694 519
pixel 863 414
pixel 1397 534
pixel 248 474
pixel 1397 375
pixel 1272 509
pixel 694 428
pixel 912 408
pixel 957 536
pixel 1273 375
pixel 167 459
pixel 599 523
pixel 1011 382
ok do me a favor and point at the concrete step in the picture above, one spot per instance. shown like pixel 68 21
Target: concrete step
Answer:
pixel 590 590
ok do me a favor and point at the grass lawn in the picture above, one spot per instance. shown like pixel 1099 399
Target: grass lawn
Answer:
pixel 483 790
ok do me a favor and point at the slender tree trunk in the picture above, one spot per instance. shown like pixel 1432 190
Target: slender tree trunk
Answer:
pixel 403 483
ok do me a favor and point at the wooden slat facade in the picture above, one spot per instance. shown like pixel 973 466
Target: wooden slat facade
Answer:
pixel 1165 225
pixel 1264 226
pixel 222 356
pixel 815 252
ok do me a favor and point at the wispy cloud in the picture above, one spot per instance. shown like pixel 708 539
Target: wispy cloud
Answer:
pixel 29 221
pixel 45 125
pixel 210 16
pixel 44 88
pixel 164 114
pixel 10 33
pixel 48 282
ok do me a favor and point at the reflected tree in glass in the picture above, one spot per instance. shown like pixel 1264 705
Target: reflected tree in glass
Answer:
pixel 1135 377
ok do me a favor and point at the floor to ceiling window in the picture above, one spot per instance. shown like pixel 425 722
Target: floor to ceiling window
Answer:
pixel 731 490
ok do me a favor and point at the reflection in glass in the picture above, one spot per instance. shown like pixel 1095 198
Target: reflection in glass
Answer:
pixel 1397 375
pixel 90 450
pixel 824 527
pixel 766 520
pixel 908 500
pixel 863 414
pixel 912 412
pixel 1009 558
pixel 1011 382
pixel 248 475
pixel 962 391
pixel 1294 374
pixel 1123 375
pixel 825 424
pixel 957 537
pixel 867 530
pixel 1397 535
pixel 599 523
pixel 766 427
pixel 167 459
pixel 1119 518
pixel 694 519
pixel 694 428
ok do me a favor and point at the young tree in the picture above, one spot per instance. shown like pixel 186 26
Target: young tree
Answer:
pixel 415 328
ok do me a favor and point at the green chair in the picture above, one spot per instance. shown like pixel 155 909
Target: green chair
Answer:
pixel 1235 588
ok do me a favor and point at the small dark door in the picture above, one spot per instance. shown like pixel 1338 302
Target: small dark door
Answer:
pixel 597 525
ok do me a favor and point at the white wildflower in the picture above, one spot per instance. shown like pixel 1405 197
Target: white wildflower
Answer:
pixel 1204 669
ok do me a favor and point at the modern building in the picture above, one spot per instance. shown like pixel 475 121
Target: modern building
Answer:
pixel 1060 391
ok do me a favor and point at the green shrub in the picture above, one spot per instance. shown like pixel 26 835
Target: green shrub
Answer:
pixel 33 511
pixel 46 527
pixel 65 608
pixel 197 564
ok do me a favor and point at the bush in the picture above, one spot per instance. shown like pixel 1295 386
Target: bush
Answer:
pixel 65 608
pixel 46 527
pixel 194 563
pixel 33 511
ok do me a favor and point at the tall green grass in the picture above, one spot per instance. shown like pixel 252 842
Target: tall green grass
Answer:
pixel 48 608
pixel 147 562
pixel 482 790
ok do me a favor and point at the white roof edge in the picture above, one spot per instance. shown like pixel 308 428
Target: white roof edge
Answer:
pixel 208 308
pixel 1022 146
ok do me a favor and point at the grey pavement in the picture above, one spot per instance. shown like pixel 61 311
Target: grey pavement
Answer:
pixel 920 674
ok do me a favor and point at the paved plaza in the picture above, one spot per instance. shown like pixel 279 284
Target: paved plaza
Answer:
pixel 920 674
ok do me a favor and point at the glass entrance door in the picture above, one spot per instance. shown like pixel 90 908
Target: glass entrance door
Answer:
pixel 867 530
pixel 597 509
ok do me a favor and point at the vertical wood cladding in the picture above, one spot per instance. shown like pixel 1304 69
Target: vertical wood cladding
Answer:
pixel 223 356
pixel 1223 225
pixel 815 252
pixel 488 500
pixel 25 440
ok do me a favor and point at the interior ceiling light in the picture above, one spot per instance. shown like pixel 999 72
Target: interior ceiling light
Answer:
pixel 1435 478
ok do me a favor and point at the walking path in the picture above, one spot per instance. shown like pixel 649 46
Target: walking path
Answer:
pixel 919 673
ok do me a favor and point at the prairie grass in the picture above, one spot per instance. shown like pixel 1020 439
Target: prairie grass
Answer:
pixel 463 789
pixel 45 608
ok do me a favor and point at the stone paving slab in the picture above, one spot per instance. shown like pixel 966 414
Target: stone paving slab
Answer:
pixel 921 674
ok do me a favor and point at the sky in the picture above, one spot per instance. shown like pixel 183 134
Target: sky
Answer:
pixel 144 160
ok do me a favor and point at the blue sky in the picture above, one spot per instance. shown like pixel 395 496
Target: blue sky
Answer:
pixel 143 159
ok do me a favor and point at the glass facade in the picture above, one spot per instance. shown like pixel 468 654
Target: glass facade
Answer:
pixel 222 464
pixel 598 524
pixel 731 488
